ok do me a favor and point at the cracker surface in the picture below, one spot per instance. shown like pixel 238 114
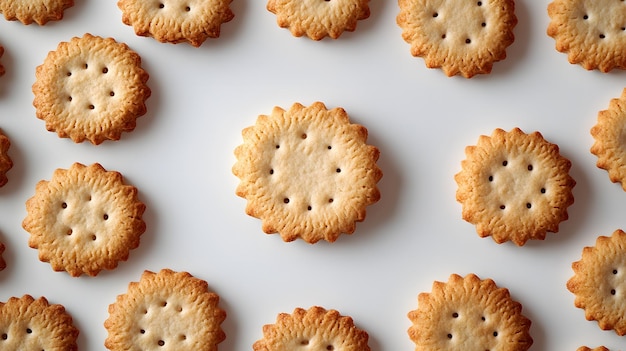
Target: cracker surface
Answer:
pixel 34 11
pixel 609 135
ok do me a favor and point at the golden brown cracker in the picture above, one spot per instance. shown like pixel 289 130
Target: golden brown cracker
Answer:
pixel 609 135
pixel 514 186
pixel 37 11
pixel 307 172
pixel 599 348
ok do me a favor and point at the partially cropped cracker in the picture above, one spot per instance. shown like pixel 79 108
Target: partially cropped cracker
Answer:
pixel 176 21
pixel 34 324
pixel 91 88
pixel 307 172
pixel 598 282
pixel 462 37
pixel 84 219
pixel 609 134
pixel 468 313
pixel 514 186
pixel 168 311
pixel 6 163
pixel 319 18
pixel 591 33
pixel 37 11
pixel 599 348
pixel 315 329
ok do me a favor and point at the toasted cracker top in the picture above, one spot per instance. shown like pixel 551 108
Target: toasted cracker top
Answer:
pixel 609 135
pixel 38 11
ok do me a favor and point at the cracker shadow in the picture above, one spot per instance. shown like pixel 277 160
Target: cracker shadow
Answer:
pixel 229 326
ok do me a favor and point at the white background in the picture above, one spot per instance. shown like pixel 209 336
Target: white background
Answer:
pixel 181 153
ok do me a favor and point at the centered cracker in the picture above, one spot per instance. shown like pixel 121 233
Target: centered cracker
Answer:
pixel 319 18
pixel 610 136
pixel 590 32
pixel 168 311
pixel 84 219
pixel 91 88
pixel 38 11
pixel 467 313
pixel 315 329
pixel 307 172
pixel 598 282
pixel 514 186
pixel 459 36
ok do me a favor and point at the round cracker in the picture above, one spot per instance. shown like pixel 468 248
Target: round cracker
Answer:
pixel 609 135
pixel 37 11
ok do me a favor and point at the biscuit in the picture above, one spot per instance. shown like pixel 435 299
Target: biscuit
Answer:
pixel 176 21
pixel 514 186
pixel 38 11
pixel 459 36
pixel 84 219
pixel 29 324
pixel 313 329
pixel 307 172
pixel 3 263
pixel 591 33
pixel 609 136
pixel 6 163
pixel 166 311
pixel 319 18
pixel 598 283
pixel 599 348
pixel 91 88
pixel 467 313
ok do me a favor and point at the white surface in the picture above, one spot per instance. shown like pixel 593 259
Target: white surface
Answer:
pixel 181 153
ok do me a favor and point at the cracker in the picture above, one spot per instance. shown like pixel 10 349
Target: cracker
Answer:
pixel 307 172
pixel 34 324
pixel 85 219
pixel 167 310
pixel 319 18
pixel 91 88
pixel 514 186
pixel 312 329
pixel 6 163
pixel 467 313
pixel 38 11
pixel 459 36
pixel 591 33
pixel 598 283
pixel 609 135
pixel 176 21
pixel 599 348
pixel 3 263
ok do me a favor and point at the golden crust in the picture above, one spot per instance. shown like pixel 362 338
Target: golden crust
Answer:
pixel 599 348
pixel 84 219
pixel 468 313
pixel 29 324
pixel 598 282
pixel 91 88
pixel 316 18
pixel 38 11
pixel 176 21
pixel 315 329
pixel 514 186
pixel 460 37
pixel 5 160
pixel 169 311
pixel 307 172
pixel 589 32
pixel 609 134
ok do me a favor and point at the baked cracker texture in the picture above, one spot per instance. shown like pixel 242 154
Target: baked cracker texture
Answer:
pixel 468 313
pixel 598 283
pixel 319 18
pixel 176 21
pixel 514 186
pixel 6 163
pixel 591 33
pixel 609 135
pixel 37 11
pixel 91 88
pixel 307 172
pixel 315 329
pixel 461 37
pixel 169 311
pixel 84 219
pixel 34 324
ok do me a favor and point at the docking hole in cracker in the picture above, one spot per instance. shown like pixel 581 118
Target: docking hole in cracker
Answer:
pixel 34 11
pixel 307 172
pixel 459 36
pixel 167 311
pixel 84 219
pixel 314 329
pixel 514 186
pixel 468 313
pixel 319 18
pixel 91 88
pixel 609 135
